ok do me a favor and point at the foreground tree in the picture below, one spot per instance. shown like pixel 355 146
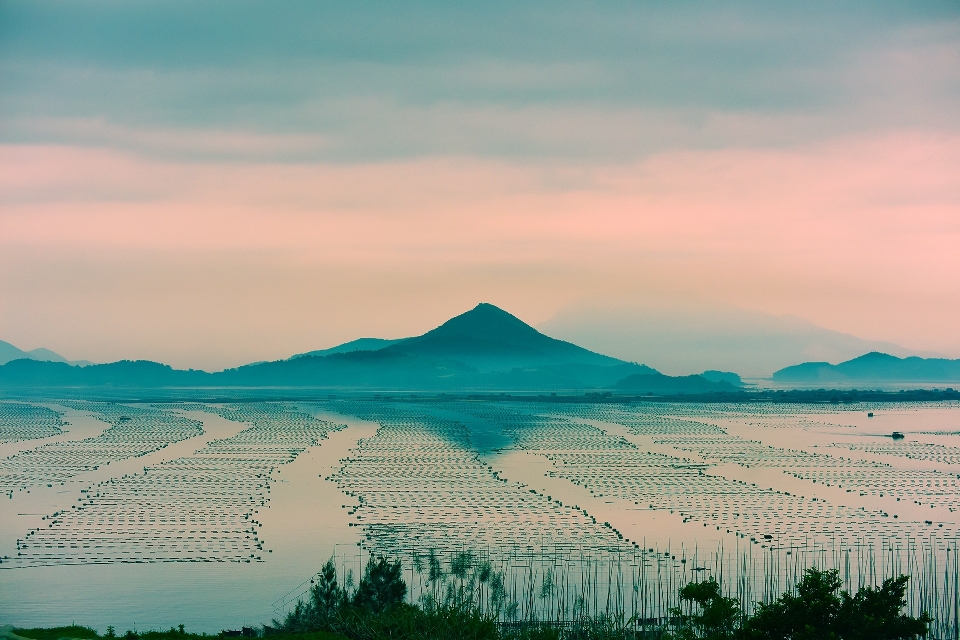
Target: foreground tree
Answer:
pixel 326 596
pixel 715 617
pixel 819 611
pixel 877 614
pixel 455 609
pixel 381 587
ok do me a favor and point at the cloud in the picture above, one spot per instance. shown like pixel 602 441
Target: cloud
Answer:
pixel 365 83
pixel 852 192
pixel 797 159
pixel 857 234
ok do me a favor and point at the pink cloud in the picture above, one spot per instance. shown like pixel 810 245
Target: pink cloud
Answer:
pixel 826 231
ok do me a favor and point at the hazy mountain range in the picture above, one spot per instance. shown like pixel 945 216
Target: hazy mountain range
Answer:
pixel 872 367
pixel 360 344
pixel 485 349
pixel 681 337
pixel 9 352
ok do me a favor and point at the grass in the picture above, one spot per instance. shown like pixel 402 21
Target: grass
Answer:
pixel 55 633
pixel 316 635
pixel 86 633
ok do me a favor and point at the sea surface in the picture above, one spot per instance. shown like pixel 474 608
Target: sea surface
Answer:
pixel 216 516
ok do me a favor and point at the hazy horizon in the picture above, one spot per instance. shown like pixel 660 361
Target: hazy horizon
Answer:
pixel 679 340
pixel 203 190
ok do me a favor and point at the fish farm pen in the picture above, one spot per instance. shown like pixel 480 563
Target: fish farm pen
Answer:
pixel 564 509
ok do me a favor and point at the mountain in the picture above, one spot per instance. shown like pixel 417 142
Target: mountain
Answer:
pixel 485 349
pixel 360 344
pixel 490 339
pixel 680 336
pixel 125 373
pixel 354 369
pixel 722 376
pixel 9 352
pixel 657 383
pixel 872 367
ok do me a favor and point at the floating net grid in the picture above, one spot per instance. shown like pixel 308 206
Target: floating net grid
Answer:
pixel 20 421
pixel 921 486
pixel 197 508
pixel 783 530
pixel 925 451
pixel 421 487
pixel 134 432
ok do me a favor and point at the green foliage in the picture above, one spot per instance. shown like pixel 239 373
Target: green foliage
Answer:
pixel 876 614
pixel 715 617
pixel 381 587
pixel 408 622
pixel 326 596
pixel 819 611
pixel 55 633
pixel 85 633
pixel 376 609
pixel 601 627
pixel 467 602
pixel 808 614
pixel 172 634
pixel 539 632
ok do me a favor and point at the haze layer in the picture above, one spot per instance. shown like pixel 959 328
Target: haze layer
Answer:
pixel 212 184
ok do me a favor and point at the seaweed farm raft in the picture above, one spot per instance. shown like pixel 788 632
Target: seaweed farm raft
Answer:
pixel 578 507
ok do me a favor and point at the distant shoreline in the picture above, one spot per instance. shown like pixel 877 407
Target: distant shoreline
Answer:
pixel 839 397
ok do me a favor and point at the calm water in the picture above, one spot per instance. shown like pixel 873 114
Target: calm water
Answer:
pixel 209 515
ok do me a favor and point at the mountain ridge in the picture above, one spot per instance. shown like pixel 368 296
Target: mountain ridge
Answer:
pixel 360 344
pixel 874 366
pixel 660 384
pixel 677 336
pixel 9 352
pixel 484 348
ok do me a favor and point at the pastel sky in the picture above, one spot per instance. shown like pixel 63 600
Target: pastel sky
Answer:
pixel 212 183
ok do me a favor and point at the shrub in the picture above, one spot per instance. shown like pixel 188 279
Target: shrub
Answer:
pixel 381 587
pixel 819 611
pixel 457 609
pixel 716 617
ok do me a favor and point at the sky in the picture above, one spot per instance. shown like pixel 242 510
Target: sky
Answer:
pixel 213 183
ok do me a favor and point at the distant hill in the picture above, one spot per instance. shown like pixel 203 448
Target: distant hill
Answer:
pixel 125 373
pixel 723 376
pixel 682 337
pixel 360 344
pixel 9 352
pixel 485 349
pixel 872 367
pixel 659 384
pixel 490 339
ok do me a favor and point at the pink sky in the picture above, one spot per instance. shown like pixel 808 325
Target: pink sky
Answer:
pixel 206 191
pixel 208 264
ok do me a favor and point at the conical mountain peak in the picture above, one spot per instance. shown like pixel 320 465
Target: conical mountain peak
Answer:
pixel 489 338
pixel 487 322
